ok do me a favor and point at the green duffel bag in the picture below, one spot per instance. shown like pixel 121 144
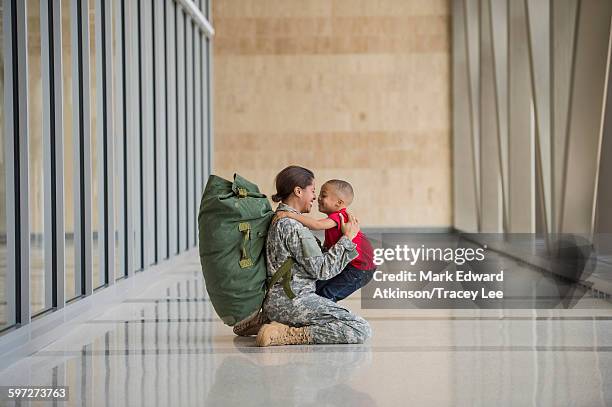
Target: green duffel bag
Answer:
pixel 233 222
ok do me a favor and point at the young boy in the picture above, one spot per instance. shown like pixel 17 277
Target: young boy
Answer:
pixel 334 198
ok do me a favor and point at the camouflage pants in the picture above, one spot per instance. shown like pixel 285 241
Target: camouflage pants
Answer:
pixel 328 322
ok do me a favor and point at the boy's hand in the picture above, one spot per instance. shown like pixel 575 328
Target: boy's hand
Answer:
pixel 282 214
pixel 349 228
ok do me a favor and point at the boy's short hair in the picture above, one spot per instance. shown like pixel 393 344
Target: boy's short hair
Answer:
pixel 343 188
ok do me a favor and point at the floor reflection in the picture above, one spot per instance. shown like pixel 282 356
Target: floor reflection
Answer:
pixel 165 346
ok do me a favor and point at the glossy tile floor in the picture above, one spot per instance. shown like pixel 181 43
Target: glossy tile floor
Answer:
pixel 166 346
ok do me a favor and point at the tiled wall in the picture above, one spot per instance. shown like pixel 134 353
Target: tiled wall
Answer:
pixel 357 90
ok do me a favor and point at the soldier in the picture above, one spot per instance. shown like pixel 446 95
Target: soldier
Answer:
pixel 307 318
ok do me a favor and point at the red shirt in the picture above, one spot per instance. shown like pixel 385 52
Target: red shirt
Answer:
pixel 364 248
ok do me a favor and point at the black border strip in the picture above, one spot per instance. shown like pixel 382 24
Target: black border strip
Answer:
pixel 167 131
pixel 52 135
pixel 81 135
pixel 16 166
pixel 194 165
pixel 155 233
pixel 178 206
pixel 140 135
pixel 185 22
pixel 124 140
pixel 105 170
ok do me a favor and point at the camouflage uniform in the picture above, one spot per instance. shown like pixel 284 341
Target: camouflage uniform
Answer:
pixel 327 321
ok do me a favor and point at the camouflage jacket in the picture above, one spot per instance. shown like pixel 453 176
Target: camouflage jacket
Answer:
pixel 289 238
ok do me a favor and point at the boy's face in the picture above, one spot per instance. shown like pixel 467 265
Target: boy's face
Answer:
pixel 329 201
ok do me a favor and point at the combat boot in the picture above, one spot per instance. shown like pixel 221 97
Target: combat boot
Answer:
pixel 251 324
pixel 276 333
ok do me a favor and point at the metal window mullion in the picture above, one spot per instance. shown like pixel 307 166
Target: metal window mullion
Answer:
pixel 49 72
pixel 83 240
pixel 160 125
pixel 76 132
pixel 45 68
pixel 191 10
pixel 119 138
pixel 108 143
pixel 103 141
pixel 20 78
pixel 204 108
pixel 190 162
pixel 136 136
pixel 125 251
pixel 58 154
pixel 182 131
pixel 171 70
pixel 210 90
pixel 131 135
pixel 148 136
pixel 197 52
pixel 99 143
pixel 11 139
pixel 118 142
pixel 155 90
pixel 143 141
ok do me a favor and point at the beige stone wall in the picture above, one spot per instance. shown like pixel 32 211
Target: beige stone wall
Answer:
pixel 353 89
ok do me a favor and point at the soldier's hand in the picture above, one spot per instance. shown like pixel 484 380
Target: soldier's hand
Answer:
pixel 349 228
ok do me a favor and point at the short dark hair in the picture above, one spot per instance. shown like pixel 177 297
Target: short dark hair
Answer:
pixel 289 178
pixel 344 188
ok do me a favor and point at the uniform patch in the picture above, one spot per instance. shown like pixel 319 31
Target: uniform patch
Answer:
pixel 309 243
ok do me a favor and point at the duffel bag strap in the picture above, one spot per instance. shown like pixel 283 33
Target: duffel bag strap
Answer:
pixel 245 258
pixel 284 273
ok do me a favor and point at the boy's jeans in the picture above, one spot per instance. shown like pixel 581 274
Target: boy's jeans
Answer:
pixel 344 284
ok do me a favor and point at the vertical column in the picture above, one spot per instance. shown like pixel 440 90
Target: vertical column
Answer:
pixel 16 99
pixel 190 161
pixel 603 198
pixel 538 33
pixel 10 143
pixel 182 130
pixel 209 108
pixel 489 158
pixel 172 13
pixel 138 138
pixel 132 154
pixel 464 204
pixel 82 153
pixel 120 129
pixel 205 117
pixel 57 151
pixel 148 134
pixel 160 36
pixel 45 64
pixel 585 115
pixel 563 41
pixel 520 137
pixel 96 93
pixel 198 134
pixel 107 169
pixel 70 135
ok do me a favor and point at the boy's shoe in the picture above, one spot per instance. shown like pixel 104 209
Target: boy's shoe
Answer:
pixel 276 333
pixel 251 324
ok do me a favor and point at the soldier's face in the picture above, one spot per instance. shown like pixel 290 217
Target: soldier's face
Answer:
pixel 306 196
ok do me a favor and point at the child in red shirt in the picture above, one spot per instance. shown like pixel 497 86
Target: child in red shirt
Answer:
pixel 334 198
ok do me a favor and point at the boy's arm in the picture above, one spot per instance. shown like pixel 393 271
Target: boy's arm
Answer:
pixel 312 224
